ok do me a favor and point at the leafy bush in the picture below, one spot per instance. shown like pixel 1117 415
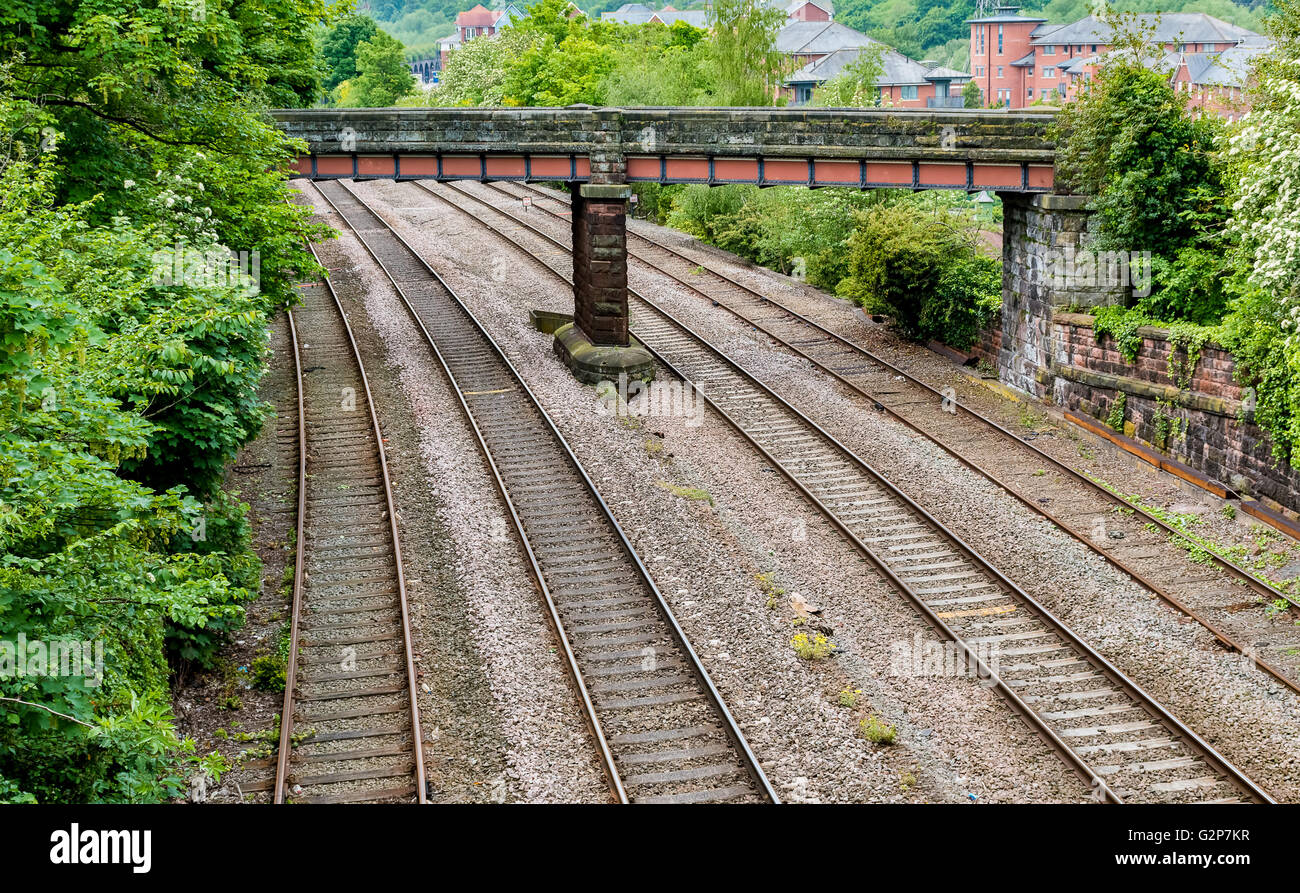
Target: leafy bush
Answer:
pixel 123 395
pixel 925 272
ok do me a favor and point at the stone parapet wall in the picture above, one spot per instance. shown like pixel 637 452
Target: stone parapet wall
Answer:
pixel 940 136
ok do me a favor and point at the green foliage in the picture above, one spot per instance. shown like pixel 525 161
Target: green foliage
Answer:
pixel 1122 324
pixel 855 85
pixel 877 731
pixel 382 74
pixel 128 134
pixel 549 59
pixel 746 67
pixel 787 228
pixel 972 96
pixel 925 271
pixel 1130 144
pixel 1118 409
pixel 338 50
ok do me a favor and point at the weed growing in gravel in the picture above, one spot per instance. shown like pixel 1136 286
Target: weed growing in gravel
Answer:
pixel 1040 472
pixel 877 731
pixel 812 649
pixel 1031 419
pixel 849 697
pixel 1229 512
pixel 1276 607
pixel 906 780
pixel 695 494
pixel 654 446
pixel 767 584
pixel 1201 550
pixel 268 670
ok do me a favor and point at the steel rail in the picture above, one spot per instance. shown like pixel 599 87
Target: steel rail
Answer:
pixel 1235 571
pixel 291 668
pixel 1072 759
pixel 730 727
pixel 286 719
pixel 1262 587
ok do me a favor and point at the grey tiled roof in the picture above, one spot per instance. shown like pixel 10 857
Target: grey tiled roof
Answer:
pixel 816 38
pixel 1228 68
pixel 1175 27
pixel 640 14
pixel 896 69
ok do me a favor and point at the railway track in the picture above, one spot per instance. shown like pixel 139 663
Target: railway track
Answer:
pixel 1128 537
pixel 1113 734
pixel 662 730
pixel 350 727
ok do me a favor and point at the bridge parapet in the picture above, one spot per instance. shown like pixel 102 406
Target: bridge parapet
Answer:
pixel 866 148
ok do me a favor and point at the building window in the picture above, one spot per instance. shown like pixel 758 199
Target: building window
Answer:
pixel 1049 51
pixel 909 91
pixel 1049 73
pixel 999 71
pixel 979 71
pixel 1029 92
pixel 1094 48
pixel 981 36
pixel 999 40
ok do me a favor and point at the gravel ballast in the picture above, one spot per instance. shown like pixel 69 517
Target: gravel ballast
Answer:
pixel 957 741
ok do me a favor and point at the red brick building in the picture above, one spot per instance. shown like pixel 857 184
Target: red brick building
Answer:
pixel 1019 60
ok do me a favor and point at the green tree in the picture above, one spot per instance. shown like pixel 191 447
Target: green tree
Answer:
pixel 338 50
pixel 855 85
pixel 1130 143
pixel 972 96
pixel 382 74
pixel 746 66
pixel 128 132
pixel 1264 174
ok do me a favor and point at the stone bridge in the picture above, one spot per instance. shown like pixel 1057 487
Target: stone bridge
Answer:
pixel 868 149
pixel 599 151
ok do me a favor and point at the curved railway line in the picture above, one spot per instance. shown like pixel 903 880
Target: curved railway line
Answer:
pixel 1080 506
pixel 350 727
pixel 662 730
pixel 1114 735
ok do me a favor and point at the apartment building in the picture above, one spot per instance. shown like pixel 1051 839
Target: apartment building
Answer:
pixel 1020 60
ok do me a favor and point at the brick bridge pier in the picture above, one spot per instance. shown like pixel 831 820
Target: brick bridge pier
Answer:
pixel 599 152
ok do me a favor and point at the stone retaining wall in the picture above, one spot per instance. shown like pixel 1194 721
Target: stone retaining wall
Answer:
pixel 1196 419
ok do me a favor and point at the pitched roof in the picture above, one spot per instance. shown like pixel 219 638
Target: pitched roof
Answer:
pixel 640 14
pixel 1176 27
pixel 896 68
pixel 478 17
pixel 817 38
pixel 940 73
pixel 791 5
